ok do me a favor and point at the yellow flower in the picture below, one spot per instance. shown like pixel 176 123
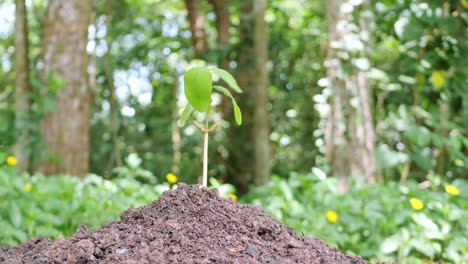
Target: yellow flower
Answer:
pixel 11 160
pixel 171 178
pixel 28 187
pixel 332 216
pixel 233 197
pixel 437 79
pixel 452 190
pixel 416 204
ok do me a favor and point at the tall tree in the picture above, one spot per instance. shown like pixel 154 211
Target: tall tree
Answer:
pixel 261 127
pixel 197 21
pixel 65 131
pixel 240 163
pixel 222 26
pixel 223 22
pixel 22 101
pixel 349 131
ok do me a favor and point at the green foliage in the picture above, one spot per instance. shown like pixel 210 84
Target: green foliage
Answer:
pixel 198 87
pixel 420 84
pixel 375 221
pixel 417 66
pixel 227 77
pixel 152 65
pixel 42 96
pixel 55 206
pixel 237 111
pixel 419 97
pixel 188 110
pixel 224 189
pixel 133 170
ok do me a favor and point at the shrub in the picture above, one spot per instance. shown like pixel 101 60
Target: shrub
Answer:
pixel 376 221
pixel 55 206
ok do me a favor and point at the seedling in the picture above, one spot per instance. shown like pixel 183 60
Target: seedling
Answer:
pixel 198 88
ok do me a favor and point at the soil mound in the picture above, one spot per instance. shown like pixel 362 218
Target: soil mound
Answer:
pixel 187 225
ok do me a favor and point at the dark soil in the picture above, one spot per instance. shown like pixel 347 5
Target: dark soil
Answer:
pixel 188 225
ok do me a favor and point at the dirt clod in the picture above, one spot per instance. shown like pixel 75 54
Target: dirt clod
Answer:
pixel 188 225
pixel 252 250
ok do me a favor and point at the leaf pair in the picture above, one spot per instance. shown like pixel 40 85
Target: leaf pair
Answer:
pixel 198 88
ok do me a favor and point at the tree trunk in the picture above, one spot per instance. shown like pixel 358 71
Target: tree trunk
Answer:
pixel 22 101
pixel 222 22
pixel 349 131
pixel 262 167
pixel 240 164
pixel 197 21
pixel 65 131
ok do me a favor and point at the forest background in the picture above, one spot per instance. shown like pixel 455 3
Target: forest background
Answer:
pixel 355 115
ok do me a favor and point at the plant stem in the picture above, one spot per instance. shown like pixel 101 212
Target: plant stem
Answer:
pixel 206 131
pixel 205 159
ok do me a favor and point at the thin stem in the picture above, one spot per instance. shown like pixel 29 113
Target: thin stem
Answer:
pixel 206 131
pixel 205 159
pixel 205 151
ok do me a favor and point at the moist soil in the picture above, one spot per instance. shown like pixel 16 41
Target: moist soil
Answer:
pixel 190 224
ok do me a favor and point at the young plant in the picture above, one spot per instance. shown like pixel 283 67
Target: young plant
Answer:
pixel 198 88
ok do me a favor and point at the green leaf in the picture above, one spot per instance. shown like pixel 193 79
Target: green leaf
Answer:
pixel 3 156
pixel 188 109
pixel 422 161
pixel 36 84
pixel 424 247
pixel 223 90
pixel 227 77
pixel 19 235
pixel 420 135
pixel 408 28
pixel 237 111
pixel 198 87
pixel 15 216
pixel 390 244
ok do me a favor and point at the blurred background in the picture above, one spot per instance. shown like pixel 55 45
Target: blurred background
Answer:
pixel 355 116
